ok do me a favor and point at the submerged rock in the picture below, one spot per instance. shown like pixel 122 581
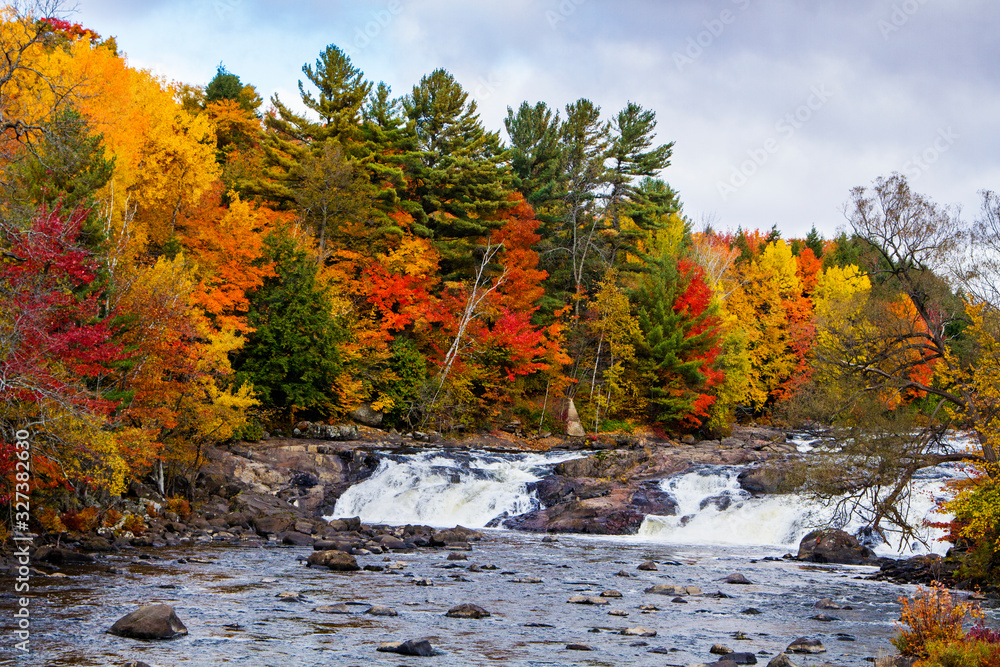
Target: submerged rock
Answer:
pixel 467 611
pixel 152 621
pixel 587 599
pixel 781 660
pixel 671 589
pixel 648 566
pixel 639 631
pixel 579 647
pixel 737 578
pixel 378 610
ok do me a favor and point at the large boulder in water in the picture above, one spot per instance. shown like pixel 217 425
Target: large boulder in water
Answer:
pixel 834 546
pixel 333 559
pixel 153 621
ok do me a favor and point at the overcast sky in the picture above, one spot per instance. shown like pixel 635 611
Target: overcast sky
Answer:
pixel 777 108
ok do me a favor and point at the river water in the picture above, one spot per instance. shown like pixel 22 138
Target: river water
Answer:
pixel 227 595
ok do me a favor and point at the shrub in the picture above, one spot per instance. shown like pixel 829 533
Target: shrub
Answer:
pixel 179 506
pixel 134 524
pixel 961 654
pixel 82 521
pixel 931 616
pixel 111 517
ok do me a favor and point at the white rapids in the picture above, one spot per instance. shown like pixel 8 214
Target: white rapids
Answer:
pixel 439 488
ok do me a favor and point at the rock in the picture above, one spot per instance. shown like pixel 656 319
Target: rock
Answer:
pixel 136 663
pixel 671 589
pixel 720 649
pixel 392 543
pixel 366 415
pixel 617 612
pixel 335 560
pixel 805 645
pixel 762 480
pixel 737 578
pixel 548 539
pixel 834 546
pixel 827 603
pixel 290 596
pixel 422 582
pixel 647 608
pixel 587 599
pixel 378 610
pixel 60 556
pixel 152 621
pixel 781 660
pixel 895 661
pixel 751 611
pixel 526 580
pixel 648 566
pixel 454 535
pixel 273 524
pixel 611 594
pixel 741 658
pixel 467 611
pixel 454 555
pixel 623 573
pixel 573 426
pixel 826 618
pixel 416 647
pixel 639 631
pixel 295 538
pixel 96 544
pixel 579 647
pixel 340 608
pixel 679 600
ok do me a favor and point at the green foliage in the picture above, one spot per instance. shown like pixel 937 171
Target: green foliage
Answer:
pixel 292 357
pixel 961 654
pixel 402 385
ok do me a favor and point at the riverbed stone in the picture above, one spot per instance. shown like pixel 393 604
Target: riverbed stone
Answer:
pixel 379 610
pixel 335 560
pixel 414 647
pixel 672 589
pixel 579 647
pixel 826 618
pixel 295 538
pixel 467 610
pixel 805 645
pixel 339 608
pixel 152 621
pixel 741 658
pixel 720 649
pixel 639 631
pixel 611 593
pixel 782 660
pixel 834 546
pixel 737 578
pixel 648 566
pixel 587 599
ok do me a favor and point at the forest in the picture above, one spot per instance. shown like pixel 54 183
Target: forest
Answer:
pixel 186 265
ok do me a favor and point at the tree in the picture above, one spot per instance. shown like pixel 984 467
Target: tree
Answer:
pixel 892 362
pixel 534 153
pixel 459 182
pixel 291 359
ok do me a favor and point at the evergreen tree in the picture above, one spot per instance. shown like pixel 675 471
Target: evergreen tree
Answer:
pixel 292 357
pixel 459 183
pixel 535 154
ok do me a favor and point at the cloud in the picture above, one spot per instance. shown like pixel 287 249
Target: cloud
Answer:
pixel 720 75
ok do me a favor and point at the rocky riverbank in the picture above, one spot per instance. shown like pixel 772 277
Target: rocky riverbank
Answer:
pixel 278 490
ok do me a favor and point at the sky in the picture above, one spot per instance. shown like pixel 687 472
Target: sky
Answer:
pixel 777 109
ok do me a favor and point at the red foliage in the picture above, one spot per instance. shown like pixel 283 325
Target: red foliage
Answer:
pixel 55 337
pixel 67 30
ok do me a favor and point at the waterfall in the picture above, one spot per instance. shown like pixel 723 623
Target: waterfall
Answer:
pixel 713 509
pixel 440 488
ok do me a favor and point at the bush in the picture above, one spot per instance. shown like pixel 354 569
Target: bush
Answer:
pixel 961 654
pixel 931 616
pixel 179 506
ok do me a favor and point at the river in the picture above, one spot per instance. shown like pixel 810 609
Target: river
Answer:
pixel 226 595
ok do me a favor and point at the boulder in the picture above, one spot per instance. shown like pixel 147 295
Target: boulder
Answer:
pixel 379 610
pixel 96 544
pixel 339 608
pixel 573 426
pixel 611 593
pixel 295 538
pixel 639 631
pixel 648 566
pixel 60 556
pixel 720 649
pixel 152 621
pixel 455 535
pixel 781 660
pixel 579 647
pixel 671 589
pixel 366 415
pixel 741 658
pixel 416 647
pixel 805 645
pixel 737 578
pixel 761 480
pixel 834 546
pixel 467 611
pixel 587 599
pixel 333 559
